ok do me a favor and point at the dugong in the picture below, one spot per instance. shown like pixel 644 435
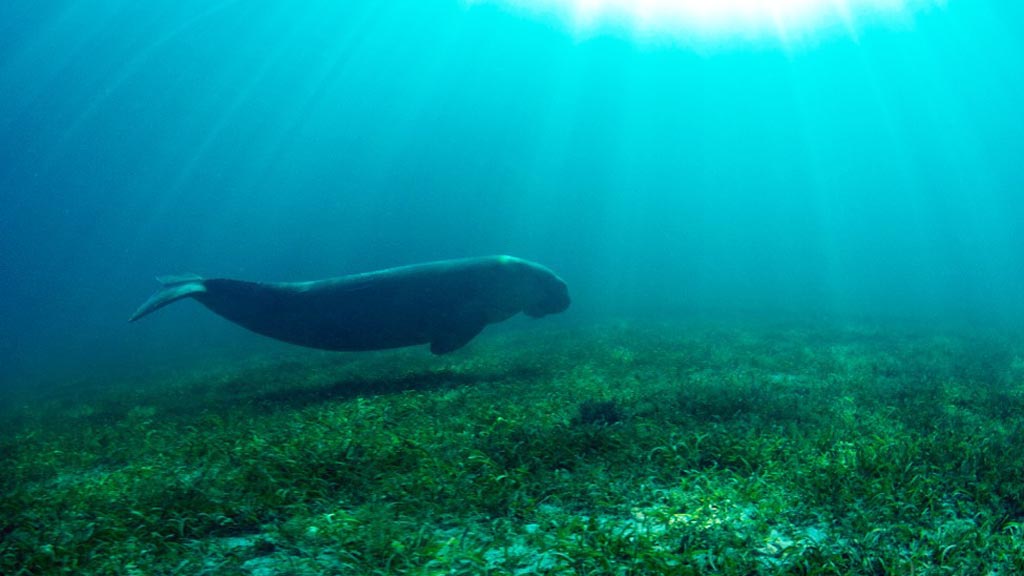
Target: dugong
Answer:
pixel 444 303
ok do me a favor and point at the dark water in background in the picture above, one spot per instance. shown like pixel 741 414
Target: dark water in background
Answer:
pixel 878 177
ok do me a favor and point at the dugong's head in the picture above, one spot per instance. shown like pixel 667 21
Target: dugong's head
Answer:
pixel 540 290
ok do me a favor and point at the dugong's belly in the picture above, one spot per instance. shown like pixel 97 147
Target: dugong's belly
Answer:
pixel 339 315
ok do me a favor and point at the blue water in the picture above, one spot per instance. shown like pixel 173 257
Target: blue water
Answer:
pixel 872 173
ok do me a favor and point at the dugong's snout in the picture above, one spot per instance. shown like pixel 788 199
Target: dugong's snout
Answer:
pixel 551 297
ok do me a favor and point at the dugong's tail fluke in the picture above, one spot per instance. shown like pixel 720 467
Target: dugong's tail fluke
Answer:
pixel 175 288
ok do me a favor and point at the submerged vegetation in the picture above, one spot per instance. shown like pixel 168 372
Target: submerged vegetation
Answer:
pixel 629 449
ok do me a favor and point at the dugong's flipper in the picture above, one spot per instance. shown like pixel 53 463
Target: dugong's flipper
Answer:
pixel 175 288
pixel 455 338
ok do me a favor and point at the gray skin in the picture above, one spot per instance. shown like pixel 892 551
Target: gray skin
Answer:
pixel 443 303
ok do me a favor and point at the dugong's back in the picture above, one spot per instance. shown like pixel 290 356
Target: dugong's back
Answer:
pixel 444 303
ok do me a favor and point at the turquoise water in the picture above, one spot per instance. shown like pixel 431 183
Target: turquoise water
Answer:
pixel 868 171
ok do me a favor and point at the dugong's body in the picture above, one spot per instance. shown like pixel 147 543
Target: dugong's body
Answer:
pixel 443 303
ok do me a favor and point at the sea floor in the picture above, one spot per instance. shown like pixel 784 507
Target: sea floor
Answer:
pixel 623 448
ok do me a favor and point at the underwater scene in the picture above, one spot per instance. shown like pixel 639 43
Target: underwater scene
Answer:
pixel 511 287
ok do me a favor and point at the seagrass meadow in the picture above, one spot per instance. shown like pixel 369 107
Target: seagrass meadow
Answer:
pixel 631 447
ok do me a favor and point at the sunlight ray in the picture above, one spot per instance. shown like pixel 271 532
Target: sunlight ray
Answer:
pixel 780 19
